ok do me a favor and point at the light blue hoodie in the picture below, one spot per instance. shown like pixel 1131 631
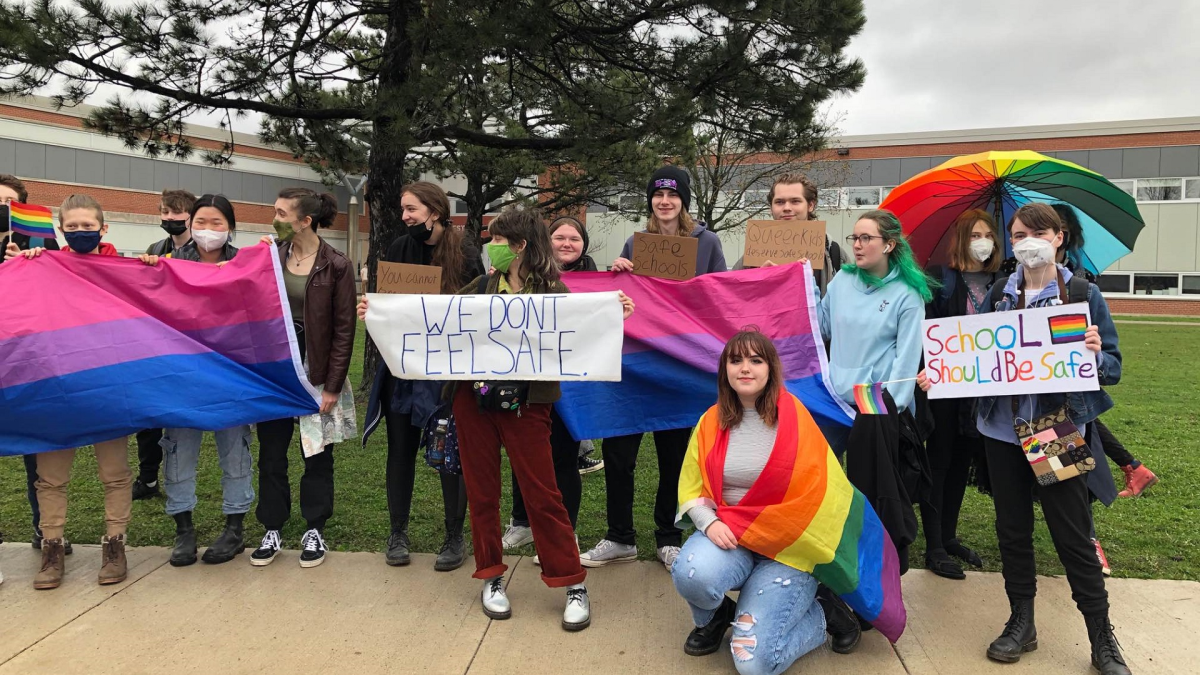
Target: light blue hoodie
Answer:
pixel 874 335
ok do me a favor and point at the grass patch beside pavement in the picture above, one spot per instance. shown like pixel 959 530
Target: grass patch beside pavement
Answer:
pixel 1157 535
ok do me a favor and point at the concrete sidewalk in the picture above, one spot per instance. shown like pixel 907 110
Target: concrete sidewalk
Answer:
pixel 354 614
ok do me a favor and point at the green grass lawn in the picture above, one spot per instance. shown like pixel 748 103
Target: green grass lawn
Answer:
pixel 1155 536
pixel 1156 319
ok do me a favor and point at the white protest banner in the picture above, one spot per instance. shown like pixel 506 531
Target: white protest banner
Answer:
pixel 557 336
pixel 1029 351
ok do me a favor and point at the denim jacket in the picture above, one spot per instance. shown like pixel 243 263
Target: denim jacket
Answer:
pixel 1082 406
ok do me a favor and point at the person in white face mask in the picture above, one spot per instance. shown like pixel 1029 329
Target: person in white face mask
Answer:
pixel 212 226
pixel 1036 233
pixel 973 267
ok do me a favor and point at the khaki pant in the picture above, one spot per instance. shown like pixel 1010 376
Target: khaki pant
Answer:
pixel 54 474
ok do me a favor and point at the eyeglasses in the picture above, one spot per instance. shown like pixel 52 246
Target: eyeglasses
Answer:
pixel 864 239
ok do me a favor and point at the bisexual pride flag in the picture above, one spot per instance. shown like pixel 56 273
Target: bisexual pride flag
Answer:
pixel 673 343
pixel 96 347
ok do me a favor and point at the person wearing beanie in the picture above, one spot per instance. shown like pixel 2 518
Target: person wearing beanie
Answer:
pixel 669 195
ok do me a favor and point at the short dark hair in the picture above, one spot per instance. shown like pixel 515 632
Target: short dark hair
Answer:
pixel 218 202
pixel 9 180
pixel 1037 216
pixel 180 201
pixel 322 207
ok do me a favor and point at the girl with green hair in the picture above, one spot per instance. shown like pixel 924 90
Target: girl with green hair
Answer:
pixel 871 317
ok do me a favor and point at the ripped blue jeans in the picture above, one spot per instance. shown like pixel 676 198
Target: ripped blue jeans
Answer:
pixel 778 619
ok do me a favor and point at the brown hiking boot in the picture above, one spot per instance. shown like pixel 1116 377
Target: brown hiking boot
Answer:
pixel 114 567
pixel 51 574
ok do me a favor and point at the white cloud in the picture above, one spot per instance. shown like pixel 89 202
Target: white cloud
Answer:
pixel 940 64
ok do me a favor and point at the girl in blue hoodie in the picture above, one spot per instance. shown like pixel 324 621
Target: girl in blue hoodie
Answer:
pixel 871 317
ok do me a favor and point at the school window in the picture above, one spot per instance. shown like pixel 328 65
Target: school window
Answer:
pixel 1156 284
pixel 1159 189
pixel 829 198
pixel 1125 185
pixel 1191 188
pixel 863 197
pixel 1114 283
pixel 753 199
pixel 460 207
pixel 884 192
pixel 1191 284
pixel 632 203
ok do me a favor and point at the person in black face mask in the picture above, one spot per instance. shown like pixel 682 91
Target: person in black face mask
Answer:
pixel 406 405
pixel 174 207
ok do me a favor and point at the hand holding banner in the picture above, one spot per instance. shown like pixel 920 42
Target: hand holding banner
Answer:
pixel 1028 351
pixel 555 336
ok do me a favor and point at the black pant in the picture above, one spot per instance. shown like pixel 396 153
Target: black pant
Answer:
pixel 31 491
pixel 1068 514
pixel 950 454
pixel 274 492
pixel 1112 447
pixel 403 440
pixel 150 454
pixel 564 450
pixel 620 460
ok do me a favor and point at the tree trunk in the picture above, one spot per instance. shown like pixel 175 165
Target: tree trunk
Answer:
pixel 390 143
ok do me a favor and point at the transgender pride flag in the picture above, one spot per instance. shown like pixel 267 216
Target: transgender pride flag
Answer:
pixel 96 347
pixel 673 343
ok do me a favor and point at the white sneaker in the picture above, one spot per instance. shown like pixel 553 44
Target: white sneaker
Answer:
pixel 494 601
pixel 667 556
pixel 605 552
pixel 516 536
pixel 312 547
pixel 578 614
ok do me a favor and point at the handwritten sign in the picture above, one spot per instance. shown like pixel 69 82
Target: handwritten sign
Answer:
pixel 784 241
pixel 657 255
pixel 1030 351
pixel 405 278
pixel 561 336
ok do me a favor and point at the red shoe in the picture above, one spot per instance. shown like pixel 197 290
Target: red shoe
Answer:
pixel 1102 558
pixel 1137 480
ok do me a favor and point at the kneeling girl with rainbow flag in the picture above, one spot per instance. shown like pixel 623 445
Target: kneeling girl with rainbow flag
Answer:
pixel 776 518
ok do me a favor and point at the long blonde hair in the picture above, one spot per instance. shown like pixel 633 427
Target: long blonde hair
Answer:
pixel 686 224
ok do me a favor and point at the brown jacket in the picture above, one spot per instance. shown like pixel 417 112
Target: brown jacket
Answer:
pixel 329 319
pixel 539 392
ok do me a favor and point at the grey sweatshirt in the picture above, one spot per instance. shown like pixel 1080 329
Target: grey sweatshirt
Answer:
pixel 750 445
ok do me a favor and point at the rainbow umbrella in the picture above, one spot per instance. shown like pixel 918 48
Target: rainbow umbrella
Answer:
pixel 1002 182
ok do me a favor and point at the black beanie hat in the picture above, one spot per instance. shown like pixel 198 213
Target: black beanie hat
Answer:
pixel 670 178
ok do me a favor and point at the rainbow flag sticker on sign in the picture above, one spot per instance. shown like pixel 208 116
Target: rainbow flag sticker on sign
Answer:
pixel 31 220
pixel 1067 328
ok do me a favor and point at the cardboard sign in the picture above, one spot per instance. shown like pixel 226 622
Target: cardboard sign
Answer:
pixel 784 241
pixel 657 255
pixel 560 337
pixel 1029 351
pixel 409 279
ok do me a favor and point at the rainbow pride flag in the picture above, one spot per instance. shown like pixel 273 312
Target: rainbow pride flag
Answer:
pixel 95 347
pixel 673 343
pixel 869 399
pixel 31 220
pixel 1068 328
pixel 802 512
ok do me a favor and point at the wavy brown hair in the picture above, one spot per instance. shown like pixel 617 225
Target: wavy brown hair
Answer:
pixel 539 267
pixel 810 191
pixel 749 342
pixel 448 252
pixel 960 241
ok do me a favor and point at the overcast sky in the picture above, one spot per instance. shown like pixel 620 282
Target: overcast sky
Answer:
pixel 964 64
